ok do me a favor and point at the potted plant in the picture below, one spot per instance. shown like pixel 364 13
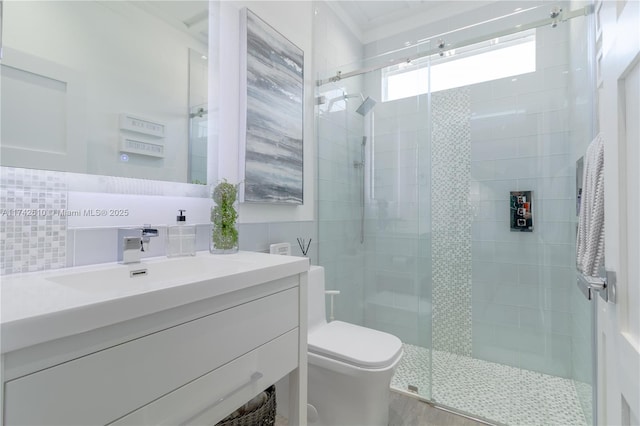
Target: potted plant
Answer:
pixel 224 219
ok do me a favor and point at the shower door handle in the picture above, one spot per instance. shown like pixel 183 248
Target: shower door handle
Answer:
pixel 605 287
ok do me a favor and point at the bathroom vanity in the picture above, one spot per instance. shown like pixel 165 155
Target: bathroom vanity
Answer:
pixel 166 341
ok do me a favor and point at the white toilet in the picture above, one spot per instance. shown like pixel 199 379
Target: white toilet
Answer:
pixel 350 367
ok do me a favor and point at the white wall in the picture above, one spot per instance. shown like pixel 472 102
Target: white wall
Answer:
pixel 294 20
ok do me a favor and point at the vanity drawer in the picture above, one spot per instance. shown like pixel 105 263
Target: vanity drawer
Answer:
pixel 210 398
pixel 102 387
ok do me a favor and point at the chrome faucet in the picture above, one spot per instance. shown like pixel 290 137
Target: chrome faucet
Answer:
pixel 132 242
pixel 147 232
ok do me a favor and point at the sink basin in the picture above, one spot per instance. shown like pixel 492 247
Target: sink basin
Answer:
pixel 43 306
pixel 153 274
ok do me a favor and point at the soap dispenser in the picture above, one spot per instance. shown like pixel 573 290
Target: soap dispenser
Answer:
pixel 181 238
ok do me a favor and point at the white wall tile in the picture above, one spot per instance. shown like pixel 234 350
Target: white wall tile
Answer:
pixel 558 77
pixel 557 187
pixel 253 236
pixel 483 170
pixel 34 227
pixel 553 56
pixel 556 233
pixel 98 246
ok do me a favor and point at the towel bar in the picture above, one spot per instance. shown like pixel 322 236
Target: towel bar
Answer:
pixel 604 286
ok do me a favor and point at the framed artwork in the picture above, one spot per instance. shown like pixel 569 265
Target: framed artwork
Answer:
pixel 272 79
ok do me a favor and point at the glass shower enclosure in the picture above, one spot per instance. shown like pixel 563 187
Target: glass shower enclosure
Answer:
pixel 446 212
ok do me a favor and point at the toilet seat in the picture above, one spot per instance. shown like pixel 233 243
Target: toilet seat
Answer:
pixel 355 345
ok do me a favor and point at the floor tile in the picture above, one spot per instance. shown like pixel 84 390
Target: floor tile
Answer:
pixel 487 390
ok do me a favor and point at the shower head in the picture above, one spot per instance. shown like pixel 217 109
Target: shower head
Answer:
pixel 363 109
pixel 366 106
pixel 201 112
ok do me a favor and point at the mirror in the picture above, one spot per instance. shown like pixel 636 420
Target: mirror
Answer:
pixel 107 88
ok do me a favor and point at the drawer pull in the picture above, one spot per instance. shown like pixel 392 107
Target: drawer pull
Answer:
pixel 254 378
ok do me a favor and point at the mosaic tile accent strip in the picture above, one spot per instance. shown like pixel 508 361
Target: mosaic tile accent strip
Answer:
pixel 451 220
pixel 495 392
pixel 33 230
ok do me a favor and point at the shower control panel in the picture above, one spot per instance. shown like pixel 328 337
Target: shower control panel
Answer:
pixel 521 212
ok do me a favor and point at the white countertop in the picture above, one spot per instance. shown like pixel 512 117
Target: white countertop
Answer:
pixel 43 306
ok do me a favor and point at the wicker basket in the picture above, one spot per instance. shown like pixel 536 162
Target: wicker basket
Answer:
pixel 263 415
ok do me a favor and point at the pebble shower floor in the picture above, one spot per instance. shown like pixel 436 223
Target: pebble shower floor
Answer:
pixel 495 392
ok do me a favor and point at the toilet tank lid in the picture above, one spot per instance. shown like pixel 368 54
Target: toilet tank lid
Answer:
pixel 359 346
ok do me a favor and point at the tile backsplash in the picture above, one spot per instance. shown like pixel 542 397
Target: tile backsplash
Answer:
pixel 98 245
pixel 33 224
pixel 39 231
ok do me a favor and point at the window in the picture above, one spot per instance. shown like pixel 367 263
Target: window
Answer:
pixel 497 58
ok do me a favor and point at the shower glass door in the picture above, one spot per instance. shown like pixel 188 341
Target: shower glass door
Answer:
pixel 510 328
pixel 373 219
pixel 399 206
pixel 468 181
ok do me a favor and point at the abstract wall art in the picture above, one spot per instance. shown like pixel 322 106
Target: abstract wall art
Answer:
pixel 272 129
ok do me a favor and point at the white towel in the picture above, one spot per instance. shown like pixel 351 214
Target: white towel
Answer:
pixel 590 244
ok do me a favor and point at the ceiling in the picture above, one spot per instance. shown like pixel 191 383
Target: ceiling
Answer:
pixel 371 20
pixel 185 15
pixel 370 14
